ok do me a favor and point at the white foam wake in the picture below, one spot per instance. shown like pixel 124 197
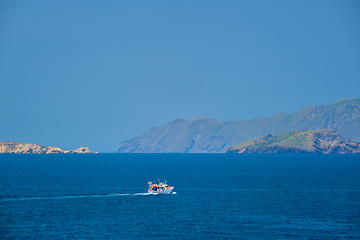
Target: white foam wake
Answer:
pixel 77 196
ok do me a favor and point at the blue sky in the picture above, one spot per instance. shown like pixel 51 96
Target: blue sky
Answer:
pixel 96 73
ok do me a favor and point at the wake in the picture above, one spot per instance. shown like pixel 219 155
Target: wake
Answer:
pixel 81 196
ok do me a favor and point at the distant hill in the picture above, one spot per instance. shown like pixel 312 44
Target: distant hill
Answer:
pixel 28 148
pixel 312 141
pixel 209 135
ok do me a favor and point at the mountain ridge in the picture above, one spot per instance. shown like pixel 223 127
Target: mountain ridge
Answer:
pixel 210 135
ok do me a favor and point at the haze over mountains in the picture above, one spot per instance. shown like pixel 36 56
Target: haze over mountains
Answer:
pixel 209 135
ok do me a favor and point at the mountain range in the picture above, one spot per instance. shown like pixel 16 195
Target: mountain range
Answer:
pixel 209 135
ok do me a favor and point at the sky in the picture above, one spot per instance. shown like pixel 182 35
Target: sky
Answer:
pixel 97 73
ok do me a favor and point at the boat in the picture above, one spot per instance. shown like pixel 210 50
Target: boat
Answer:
pixel 160 188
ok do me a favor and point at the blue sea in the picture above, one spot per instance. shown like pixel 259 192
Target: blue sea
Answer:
pixel 220 196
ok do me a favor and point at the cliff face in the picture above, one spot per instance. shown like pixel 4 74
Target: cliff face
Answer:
pixel 312 141
pixel 28 148
pixel 209 135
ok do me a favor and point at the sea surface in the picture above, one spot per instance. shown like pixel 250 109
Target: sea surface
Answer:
pixel 220 196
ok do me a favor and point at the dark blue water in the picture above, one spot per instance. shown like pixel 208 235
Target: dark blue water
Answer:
pixel 221 196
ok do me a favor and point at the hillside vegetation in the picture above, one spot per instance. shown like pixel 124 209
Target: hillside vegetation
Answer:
pixel 312 141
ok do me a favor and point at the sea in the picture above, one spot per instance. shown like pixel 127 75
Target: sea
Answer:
pixel 216 196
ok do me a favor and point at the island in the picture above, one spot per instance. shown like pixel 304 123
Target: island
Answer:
pixel 29 148
pixel 210 135
pixel 312 141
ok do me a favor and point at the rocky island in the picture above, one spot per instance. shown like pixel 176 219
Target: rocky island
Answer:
pixel 28 148
pixel 312 141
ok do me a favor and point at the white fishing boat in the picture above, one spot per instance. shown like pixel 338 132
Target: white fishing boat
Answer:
pixel 160 188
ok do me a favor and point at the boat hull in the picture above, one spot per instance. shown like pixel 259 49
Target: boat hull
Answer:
pixel 167 191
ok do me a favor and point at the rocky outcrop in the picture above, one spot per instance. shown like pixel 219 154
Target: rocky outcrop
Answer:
pixel 29 148
pixel 313 141
pixel 80 150
pixel 209 135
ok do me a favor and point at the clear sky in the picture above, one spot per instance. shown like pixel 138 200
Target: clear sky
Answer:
pixel 96 73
